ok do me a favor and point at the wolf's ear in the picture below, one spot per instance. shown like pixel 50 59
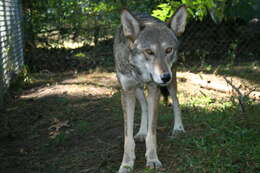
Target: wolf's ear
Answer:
pixel 131 26
pixel 178 20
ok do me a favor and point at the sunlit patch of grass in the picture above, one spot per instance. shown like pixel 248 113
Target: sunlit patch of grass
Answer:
pixel 68 44
pixel 222 147
pixel 205 102
pixel 218 137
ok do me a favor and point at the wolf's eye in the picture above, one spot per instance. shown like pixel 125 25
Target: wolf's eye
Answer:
pixel 149 52
pixel 168 50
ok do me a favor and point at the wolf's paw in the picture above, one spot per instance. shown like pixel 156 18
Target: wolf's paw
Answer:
pixel 153 164
pixel 177 132
pixel 125 169
pixel 140 137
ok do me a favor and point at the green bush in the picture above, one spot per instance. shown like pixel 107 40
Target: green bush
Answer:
pixel 217 9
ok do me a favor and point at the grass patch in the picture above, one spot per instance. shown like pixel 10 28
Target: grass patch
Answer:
pixel 89 130
pixel 218 138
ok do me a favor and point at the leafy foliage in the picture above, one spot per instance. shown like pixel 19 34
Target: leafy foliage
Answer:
pixel 217 9
pixel 196 8
pixel 53 21
pixel 22 79
pixel 165 10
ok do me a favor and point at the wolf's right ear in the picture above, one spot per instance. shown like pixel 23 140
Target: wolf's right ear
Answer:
pixel 179 20
pixel 131 26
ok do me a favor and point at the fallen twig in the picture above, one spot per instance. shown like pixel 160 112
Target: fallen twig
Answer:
pixel 240 96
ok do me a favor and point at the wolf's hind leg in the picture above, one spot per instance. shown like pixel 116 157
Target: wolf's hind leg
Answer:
pixel 178 126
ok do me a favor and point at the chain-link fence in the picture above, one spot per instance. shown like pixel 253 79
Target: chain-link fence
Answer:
pixel 93 24
pixel 232 41
pixel 50 24
pixel 11 44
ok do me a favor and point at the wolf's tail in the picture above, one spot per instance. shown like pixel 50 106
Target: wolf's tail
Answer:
pixel 165 93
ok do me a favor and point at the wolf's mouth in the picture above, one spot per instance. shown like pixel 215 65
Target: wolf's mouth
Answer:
pixel 163 84
pixel 160 84
pixel 151 76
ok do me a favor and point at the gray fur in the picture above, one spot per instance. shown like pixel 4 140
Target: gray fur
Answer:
pixel 145 50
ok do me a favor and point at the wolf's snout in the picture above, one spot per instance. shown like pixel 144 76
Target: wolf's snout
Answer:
pixel 166 77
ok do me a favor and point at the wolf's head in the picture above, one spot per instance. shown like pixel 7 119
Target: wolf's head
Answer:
pixel 153 44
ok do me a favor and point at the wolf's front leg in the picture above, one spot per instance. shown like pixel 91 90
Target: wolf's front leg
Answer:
pixel 142 132
pixel 128 105
pixel 178 126
pixel 152 160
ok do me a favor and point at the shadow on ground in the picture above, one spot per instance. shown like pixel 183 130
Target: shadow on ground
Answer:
pixel 88 134
pixel 75 125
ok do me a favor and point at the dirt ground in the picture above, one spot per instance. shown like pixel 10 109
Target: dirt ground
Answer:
pixel 75 125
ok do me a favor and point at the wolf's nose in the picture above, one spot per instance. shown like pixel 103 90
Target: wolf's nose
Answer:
pixel 166 77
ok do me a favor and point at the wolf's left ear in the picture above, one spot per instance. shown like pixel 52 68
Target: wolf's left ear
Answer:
pixel 131 26
pixel 178 20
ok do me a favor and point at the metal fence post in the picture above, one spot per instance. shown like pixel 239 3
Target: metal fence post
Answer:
pixel 11 43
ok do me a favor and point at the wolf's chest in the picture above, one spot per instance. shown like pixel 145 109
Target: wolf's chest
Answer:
pixel 132 79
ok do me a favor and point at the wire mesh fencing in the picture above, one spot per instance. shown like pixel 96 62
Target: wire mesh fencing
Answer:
pixel 11 43
pixel 232 41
